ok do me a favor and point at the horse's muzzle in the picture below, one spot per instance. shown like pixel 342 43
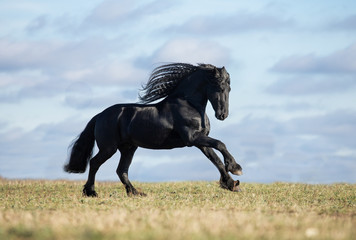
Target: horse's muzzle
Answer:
pixel 221 116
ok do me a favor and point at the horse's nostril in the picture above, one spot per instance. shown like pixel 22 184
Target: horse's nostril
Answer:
pixel 221 116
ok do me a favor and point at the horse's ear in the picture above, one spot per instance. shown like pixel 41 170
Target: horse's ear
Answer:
pixel 224 72
pixel 216 72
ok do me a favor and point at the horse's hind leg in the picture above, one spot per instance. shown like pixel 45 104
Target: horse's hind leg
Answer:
pixel 95 163
pixel 127 153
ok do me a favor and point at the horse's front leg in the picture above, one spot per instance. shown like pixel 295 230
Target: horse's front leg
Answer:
pixel 230 163
pixel 225 180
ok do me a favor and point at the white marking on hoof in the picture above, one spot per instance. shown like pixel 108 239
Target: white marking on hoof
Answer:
pixel 237 172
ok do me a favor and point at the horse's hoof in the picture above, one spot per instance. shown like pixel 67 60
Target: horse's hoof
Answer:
pixel 237 172
pixel 236 187
pixel 89 193
pixel 136 193
pixel 231 185
pixel 142 194
pixel 234 169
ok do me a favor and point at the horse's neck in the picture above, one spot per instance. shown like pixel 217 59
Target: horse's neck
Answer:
pixel 199 102
pixel 195 94
pixel 200 106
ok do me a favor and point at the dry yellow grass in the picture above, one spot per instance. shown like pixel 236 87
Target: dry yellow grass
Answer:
pixel 184 210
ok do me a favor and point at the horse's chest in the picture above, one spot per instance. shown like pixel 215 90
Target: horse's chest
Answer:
pixel 195 123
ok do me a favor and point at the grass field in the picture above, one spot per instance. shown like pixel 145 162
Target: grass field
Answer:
pixel 180 210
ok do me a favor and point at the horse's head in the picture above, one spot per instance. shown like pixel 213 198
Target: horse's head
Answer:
pixel 218 92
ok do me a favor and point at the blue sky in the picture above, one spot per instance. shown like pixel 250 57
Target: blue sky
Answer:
pixel 292 66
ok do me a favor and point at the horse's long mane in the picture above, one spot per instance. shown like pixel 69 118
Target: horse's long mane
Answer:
pixel 165 78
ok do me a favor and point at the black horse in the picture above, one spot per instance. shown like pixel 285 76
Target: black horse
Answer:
pixel 178 120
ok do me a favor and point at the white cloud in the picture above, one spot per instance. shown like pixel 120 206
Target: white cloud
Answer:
pixel 37 24
pixel 192 51
pixel 347 23
pixel 301 149
pixel 310 85
pixel 34 69
pixel 111 72
pixel 312 74
pixel 57 56
pixel 231 24
pixel 22 55
pixel 111 14
pixel 341 61
pixel 22 150
pixel 336 127
pixel 346 152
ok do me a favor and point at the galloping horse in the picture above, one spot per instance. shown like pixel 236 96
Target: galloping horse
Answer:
pixel 178 120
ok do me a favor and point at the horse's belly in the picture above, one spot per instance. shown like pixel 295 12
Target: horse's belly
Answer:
pixel 153 137
pixel 162 142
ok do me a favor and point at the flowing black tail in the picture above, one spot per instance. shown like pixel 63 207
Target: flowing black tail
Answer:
pixel 82 149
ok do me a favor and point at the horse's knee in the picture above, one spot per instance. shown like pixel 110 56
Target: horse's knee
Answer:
pixel 220 145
